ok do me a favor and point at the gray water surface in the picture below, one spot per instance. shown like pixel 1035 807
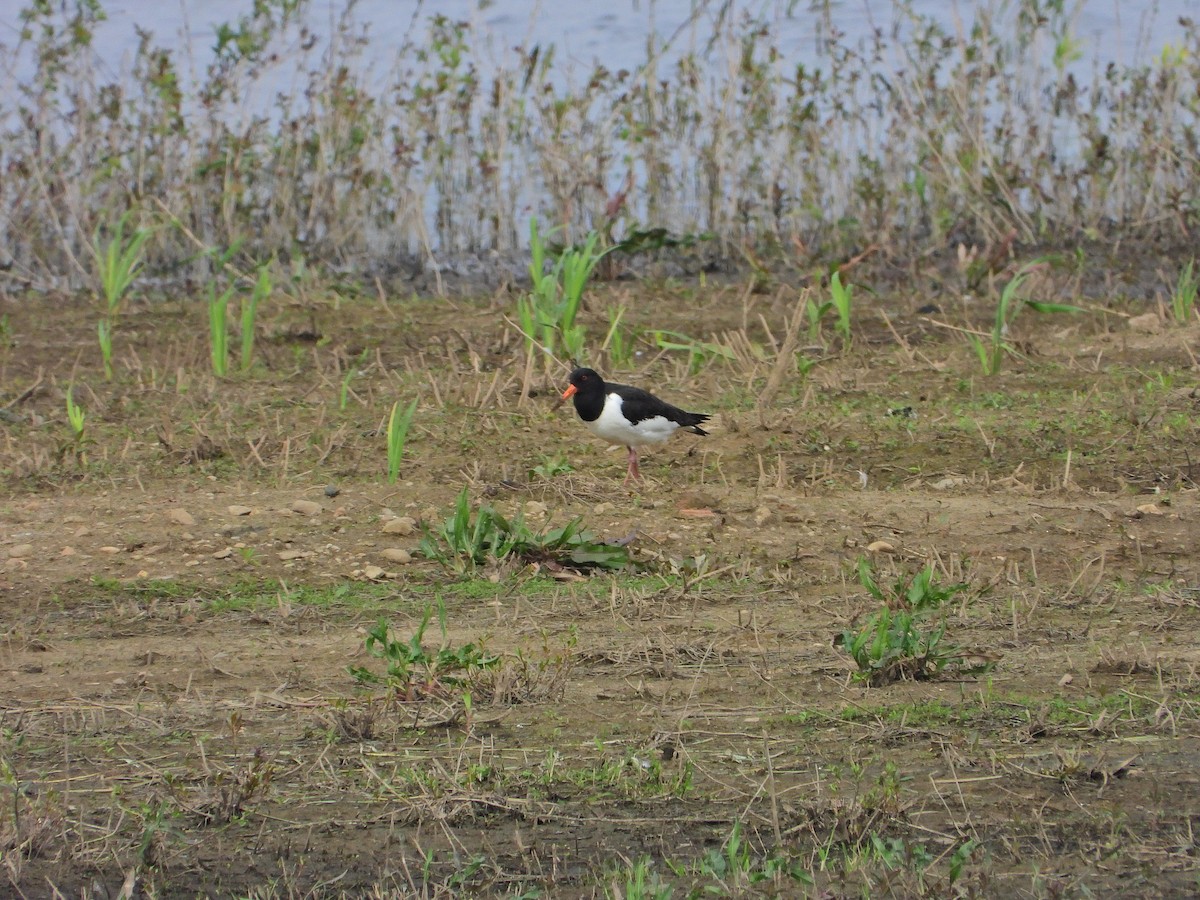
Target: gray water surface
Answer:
pixel 584 32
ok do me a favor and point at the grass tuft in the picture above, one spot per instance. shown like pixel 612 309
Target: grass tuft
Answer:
pixel 399 421
pixel 468 539
pixel 904 639
pixel 992 351
pixel 1183 298
pixel 412 671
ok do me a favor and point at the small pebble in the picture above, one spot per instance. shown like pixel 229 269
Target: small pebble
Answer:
pixel 1146 323
pixel 403 525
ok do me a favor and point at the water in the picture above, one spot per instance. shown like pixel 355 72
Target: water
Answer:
pixel 583 33
pixel 479 196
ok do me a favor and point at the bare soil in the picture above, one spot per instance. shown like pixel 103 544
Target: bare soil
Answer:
pixel 177 716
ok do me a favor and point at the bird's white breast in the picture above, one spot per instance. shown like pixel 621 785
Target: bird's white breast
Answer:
pixel 613 426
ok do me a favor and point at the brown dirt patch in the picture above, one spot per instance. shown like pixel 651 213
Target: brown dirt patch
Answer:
pixel 177 713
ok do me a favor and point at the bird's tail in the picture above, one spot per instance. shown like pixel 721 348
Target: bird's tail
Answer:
pixel 691 421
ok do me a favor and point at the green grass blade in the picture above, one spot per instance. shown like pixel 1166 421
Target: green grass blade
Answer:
pixel 262 290
pixel 397 435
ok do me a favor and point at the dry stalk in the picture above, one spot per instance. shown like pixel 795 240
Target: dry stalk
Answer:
pixel 785 361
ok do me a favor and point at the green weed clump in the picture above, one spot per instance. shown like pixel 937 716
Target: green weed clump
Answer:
pixel 992 349
pixel 399 421
pixel 699 353
pixel 841 296
pixel 548 313
pixel 118 262
pixel 412 671
pixel 218 308
pixel 76 418
pixel 76 446
pixel 260 292
pixel 637 880
pixel 618 343
pixel 552 466
pixel 1183 298
pixel 904 639
pixel 469 539
pixel 734 869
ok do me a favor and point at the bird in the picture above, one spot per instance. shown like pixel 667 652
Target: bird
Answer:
pixel 627 415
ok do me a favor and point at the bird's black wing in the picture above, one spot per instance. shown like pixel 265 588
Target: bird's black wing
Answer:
pixel 638 405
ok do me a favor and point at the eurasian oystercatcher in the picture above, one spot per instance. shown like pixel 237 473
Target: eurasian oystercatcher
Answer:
pixel 627 415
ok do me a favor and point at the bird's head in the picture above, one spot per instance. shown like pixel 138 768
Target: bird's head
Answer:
pixel 582 380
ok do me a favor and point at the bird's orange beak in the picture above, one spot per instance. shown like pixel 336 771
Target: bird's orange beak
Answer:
pixel 569 392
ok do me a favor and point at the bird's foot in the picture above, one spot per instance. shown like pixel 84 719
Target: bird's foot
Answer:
pixel 633 474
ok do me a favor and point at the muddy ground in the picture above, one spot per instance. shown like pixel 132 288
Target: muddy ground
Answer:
pixel 178 718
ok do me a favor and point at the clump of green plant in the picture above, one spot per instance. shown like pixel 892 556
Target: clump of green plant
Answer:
pixel 76 417
pixel 699 353
pixel 841 296
pixel 637 880
pixel 414 672
pixel 261 290
pixel 617 343
pixel 118 262
pixel 397 436
pixel 550 466
pixel 77 421
pixel 815 312
pixel 734 869
pixel 473 538
pixel 905 637
pixel 218 307
pixel 992 350
pixel 548 313
pixel 1183 298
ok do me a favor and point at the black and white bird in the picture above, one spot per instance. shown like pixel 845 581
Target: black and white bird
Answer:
pixel 627 415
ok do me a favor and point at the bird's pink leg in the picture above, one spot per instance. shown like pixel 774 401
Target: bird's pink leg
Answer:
pixel 633 472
